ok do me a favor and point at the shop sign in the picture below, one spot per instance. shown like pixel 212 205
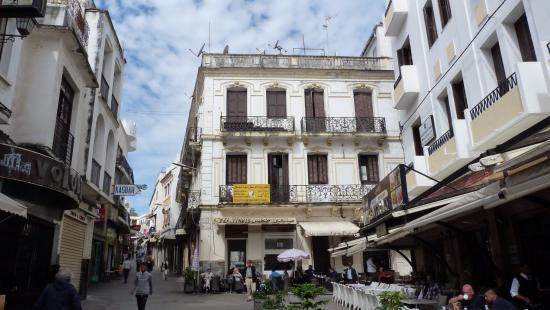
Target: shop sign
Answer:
pixel 24 165
pixel 255 220
pixel 389 193
pixel 128 189
pixel 427 130
pixel 101 215
pixel 251 193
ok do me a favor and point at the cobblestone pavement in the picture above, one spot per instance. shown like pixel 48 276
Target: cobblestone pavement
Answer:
pixel 167 295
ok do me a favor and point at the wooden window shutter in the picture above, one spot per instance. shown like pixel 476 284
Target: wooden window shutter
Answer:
pixel 429 20
pixel 235 169
pixel 525 41
pixel 445 11
pixel 317 169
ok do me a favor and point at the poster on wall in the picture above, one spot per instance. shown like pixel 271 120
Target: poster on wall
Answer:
pixel 427 131
pixel 389 193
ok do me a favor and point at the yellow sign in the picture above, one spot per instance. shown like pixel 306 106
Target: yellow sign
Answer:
pixel 251 193
pixel 255 220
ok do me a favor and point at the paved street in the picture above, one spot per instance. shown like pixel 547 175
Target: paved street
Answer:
pixel 167 295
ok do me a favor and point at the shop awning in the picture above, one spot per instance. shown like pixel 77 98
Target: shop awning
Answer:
pixel 345 245
pixel 428 206
pixel 11 206
pixel 349 248
pixel 329 228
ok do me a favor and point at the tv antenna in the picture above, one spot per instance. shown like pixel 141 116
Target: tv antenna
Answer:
pixel 328 18
pixel 201 51
pixel 260 51
pixel 306 49
pixel 277 47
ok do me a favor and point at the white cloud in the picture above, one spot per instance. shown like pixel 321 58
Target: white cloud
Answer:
pixel 160 73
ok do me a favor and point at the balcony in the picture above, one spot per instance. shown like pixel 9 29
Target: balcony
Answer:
pixel 194 199
pixel 361 125
pixel 317 193
pixel 406 87
pixel 68 13
pixel 29 8
pixel 104 88
pixel 96 170
pixel 416 182
pixel 449 152
pixel 256 124
pixel 106 183
pixel 194 135
pixel 63 142
pixel 217 61
pixel 395 16
pixel 124 166
pixel 114 107
pixel 5 114
pixel 514 106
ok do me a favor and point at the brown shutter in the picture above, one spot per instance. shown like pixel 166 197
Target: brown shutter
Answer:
pixel 318 103
pixel 236 103
pixel 444 11
pixel 524 39
pixel 276 104
pixel 498 63
pixel 312 169
pixel 235 169
pixel 363 112
pixel 317 169
pixel 372 168
pixel 323 173
pixel 429 20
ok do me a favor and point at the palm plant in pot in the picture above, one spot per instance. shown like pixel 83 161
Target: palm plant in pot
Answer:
pixel 189 281
pixel 390 300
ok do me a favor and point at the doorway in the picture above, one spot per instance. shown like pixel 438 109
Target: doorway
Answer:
pixel 315 110
pixel 364 121
pixel 236 253
pixel 278 177
pixel 321 259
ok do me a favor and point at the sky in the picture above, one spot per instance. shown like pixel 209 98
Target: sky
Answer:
pixel 160 71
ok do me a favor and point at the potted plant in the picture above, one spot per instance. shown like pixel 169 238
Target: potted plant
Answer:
pixel 307 293
pixel 274 302
pixel 189 281
pixel 260 297
pixel 390 300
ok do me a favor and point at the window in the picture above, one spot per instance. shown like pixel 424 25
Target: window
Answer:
pixel 167 189
pixel 498 64
pixel 276 103
pixel 404 54
pixel 444 11
pixel 429 19
pixel 3 28
pixel 459 95
pixel 279 244
pixel 418 147
pixel 368 169
pixel 271 262
pixel 235 169
pixel 524 39
pixel 317 169
pixel 444 102
pixel 236 102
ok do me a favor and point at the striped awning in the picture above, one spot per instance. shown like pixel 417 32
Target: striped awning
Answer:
pixel 329 228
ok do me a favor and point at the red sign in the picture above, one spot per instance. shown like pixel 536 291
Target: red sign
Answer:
pixel 101 214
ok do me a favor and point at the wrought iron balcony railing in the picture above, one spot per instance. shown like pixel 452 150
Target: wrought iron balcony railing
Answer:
pixel 316 193
pixel 104 88
pixel 114 107
pixel 256 123
pixel 194 134
pixel 503 88
pixel 63 142
pixel 434 146
pixel 76 19
pixel 344 124
pixel 106 183
pixel 96 170
pixel 122 163
pixel 194 199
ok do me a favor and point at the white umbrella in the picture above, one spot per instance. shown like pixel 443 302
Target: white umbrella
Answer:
pixel 292 255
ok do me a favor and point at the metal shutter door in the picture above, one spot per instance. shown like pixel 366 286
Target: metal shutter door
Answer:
pixel 72 248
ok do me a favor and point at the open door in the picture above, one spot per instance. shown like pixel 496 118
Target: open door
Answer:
pixel 364 121
pixel 315 111
pixel 278 177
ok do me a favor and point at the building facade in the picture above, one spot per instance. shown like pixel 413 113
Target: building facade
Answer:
pixel 48 111
pixel 472 93
pixel 281 149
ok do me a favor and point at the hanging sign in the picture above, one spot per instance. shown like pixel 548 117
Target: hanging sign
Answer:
pixel 427 131
pixel 251 193
pixel 128 189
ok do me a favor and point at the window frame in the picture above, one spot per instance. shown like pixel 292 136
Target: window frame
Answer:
pixel 320 177
pixel 243 158
pixel 429 23
pixel 364 158
pixel 445 12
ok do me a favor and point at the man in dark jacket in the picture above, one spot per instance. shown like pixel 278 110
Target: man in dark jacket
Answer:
pixel 496 302
pixel 59 295
pixel 350 275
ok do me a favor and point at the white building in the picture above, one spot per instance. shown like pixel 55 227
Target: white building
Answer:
pixel 281 150
pixel 51 118
pixel 164 212
pixel 472 90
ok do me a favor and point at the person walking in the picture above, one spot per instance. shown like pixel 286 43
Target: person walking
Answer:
pixel 164 269
pixel 525 290
pixel 250 279
pixel 350 274
pixel 60 294
pixel 126 265
pixel 143 286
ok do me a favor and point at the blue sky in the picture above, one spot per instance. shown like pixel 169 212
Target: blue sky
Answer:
pixel 160 70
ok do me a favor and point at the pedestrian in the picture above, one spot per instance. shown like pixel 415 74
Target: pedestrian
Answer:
pixel 207 280
pixel 126 265
pixel 468 299
pixel 496 302
pixel 309 274
pixel 237 280
pixel 430 290
pixel 350 274
pixel 371 269
pixel 524 289
pixel 60 294
pixel 298 275
pixel 143 286
pixel 164 269
pixel 276 280
pixel 150 264
pixel 250 279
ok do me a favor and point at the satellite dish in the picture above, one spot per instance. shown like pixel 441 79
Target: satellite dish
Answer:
pixel 276 46
pixel 201 51
pixel 226 49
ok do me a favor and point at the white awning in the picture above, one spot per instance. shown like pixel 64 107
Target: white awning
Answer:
pixel 11 206
pixel 329 228
pixel 428 206
pixel 345 245
pixel 350 248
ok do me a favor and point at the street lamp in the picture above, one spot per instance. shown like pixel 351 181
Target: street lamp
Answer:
pixel 24 25
pixel 183 166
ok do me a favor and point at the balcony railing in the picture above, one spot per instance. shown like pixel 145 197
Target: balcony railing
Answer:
pixel 504 87
pixel 307 193
pixel 344 124
pixel 104 89
pixel 76 19
pixel 194 134
pixel 106 183
pixel 63 142
pixel 123 164
pixel 96 170
pixel 194 199
pixel 256 123
pixel 434 146
pixel 114 106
